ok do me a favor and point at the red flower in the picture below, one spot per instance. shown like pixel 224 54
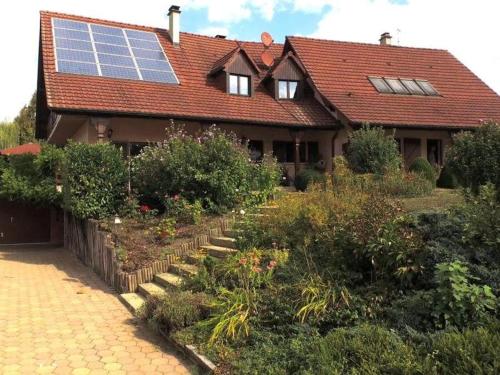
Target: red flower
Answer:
pixel 144 208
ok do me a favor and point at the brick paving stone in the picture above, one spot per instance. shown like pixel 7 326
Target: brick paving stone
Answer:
pixel 58 317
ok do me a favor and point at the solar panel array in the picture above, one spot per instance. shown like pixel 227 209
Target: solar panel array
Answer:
pixel 403 86
pixel 98 50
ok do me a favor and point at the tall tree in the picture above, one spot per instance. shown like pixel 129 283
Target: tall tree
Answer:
pixel 25 121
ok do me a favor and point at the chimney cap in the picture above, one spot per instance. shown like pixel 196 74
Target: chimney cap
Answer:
pixel 385 38
pixel 220 36
pixel 174 8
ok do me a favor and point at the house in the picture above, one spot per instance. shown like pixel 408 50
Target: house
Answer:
pixel 103 80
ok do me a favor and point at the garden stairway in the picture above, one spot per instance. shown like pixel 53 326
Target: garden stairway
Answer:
pixel 218 247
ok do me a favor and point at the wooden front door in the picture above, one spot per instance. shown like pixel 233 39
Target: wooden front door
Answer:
pixel 20 223
pixel 412 150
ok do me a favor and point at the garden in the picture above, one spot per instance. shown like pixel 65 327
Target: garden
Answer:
pixel 345 278
pixel 372 269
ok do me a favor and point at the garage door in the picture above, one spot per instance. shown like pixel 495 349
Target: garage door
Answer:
pixel 20 223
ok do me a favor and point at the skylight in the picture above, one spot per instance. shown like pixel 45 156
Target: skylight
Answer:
pixel 98 50
pixel 402 86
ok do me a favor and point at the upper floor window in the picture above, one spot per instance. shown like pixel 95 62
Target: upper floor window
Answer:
pixel 239 85
pixel 287 89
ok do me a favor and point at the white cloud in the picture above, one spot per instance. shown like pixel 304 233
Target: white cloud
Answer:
pixel 468 29
pixel 214 30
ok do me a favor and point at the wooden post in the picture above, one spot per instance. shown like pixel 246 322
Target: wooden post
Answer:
pixel 296 136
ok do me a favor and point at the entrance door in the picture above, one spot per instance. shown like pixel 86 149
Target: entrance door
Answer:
pixel 412 147
pixel 21 223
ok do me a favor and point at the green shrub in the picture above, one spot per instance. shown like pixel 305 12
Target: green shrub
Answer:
pixel 402 185
pixel 447 180
pixel 214 168
pixel 423 167
pixel 458 302
pixel 370 150
pixel 32 178
pixel 474 157
pixel 306 177
pixel 365 349
pixel 95 180
pixel 482 217
pixel 175 310
pixel 473 351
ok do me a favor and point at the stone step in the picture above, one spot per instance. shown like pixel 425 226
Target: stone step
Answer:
pixel 168 280
pixel 223 242
pixel 151 289
pixel 232 233
pixel 133 301
pixel 196 258
pixel 184 269
pixel 219 251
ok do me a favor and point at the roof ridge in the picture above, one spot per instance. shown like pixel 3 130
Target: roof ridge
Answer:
pixel 363 43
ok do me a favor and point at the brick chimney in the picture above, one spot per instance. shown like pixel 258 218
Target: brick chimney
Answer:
pixel 174 23
pixel 385 39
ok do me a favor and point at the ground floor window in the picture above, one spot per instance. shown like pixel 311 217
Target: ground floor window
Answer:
pixel 256 149
pixel 435 151
pixel 285 151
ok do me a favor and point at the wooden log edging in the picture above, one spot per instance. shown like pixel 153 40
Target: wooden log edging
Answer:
pixel 93 247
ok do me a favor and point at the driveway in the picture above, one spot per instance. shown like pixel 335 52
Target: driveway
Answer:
pixel 57 316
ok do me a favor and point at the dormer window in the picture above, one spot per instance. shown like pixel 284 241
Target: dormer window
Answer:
pixel 287 89
pixel 239 85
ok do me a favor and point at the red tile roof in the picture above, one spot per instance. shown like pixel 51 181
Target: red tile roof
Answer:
pixel 28 148
pixel 196 97
pixel 339 71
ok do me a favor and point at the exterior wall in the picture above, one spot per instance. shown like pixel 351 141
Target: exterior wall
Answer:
pixel 331 142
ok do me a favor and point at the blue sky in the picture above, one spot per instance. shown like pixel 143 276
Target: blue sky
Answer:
pixel 467 28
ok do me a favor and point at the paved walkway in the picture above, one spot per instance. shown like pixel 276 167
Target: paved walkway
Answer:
pixel 56 316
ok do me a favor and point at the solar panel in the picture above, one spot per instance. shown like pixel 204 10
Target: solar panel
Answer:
pixel 144 44
pixel 109 39
pixel 396 86
pixel 78 68
pixel 98 50
pixel 427 87
pixel 72 34
pixel 403 86
pixel 115 60
pixel 119 72
pixel 412 87
pixel 380 85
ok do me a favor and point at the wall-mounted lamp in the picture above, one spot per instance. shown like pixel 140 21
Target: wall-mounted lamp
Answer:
pixel 110 133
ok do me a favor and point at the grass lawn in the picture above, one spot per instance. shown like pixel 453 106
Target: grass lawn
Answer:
pixel 439 200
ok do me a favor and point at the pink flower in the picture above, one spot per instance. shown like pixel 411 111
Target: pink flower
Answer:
pixel 243 261
pixel 257 269
pixel 176 197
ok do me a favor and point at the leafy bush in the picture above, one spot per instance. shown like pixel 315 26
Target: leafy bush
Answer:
pixel 371 151
pixel 95 180
pixel 482 217
pixel 457 301
pixel 474 157
pixel 175 310
pixel 365 349
pixel 402 185
pixel 424 168
pixel 473 351
pixel 306 177
pixel 32 178
pixel 447 180
pixel 214 169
